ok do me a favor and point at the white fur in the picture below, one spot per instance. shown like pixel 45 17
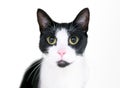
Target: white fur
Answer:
pixel 72 76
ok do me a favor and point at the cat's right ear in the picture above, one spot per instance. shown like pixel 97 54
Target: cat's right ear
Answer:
pixel 43 19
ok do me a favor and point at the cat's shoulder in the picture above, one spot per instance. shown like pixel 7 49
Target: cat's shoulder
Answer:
pixel 31 76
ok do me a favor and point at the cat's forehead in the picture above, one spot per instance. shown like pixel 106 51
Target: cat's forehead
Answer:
pixel 62 37
pixel 61 33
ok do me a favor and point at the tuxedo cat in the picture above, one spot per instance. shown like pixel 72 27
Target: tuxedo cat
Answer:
pixel 62 46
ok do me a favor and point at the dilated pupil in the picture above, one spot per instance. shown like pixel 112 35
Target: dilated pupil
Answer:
pixel 73 39
pixel 51 40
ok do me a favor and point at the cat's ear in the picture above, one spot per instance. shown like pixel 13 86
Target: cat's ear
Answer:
pixel 43 19
pixel 82 19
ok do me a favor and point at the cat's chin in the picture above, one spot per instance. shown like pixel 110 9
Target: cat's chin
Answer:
pixel 63 63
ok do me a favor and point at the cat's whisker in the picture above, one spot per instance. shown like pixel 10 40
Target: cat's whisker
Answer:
pixel 33 71
pixel 35 64
pixel 36 73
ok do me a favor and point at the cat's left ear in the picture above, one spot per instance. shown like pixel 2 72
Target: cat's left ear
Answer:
pixel 82 19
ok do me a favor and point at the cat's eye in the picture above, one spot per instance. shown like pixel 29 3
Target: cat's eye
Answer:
pixel 73 40
pixel 51 40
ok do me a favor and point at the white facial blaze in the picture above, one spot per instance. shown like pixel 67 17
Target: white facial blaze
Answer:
pixel 62 43
pixel 62 38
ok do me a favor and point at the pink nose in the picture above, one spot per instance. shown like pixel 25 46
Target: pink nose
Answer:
pixel 61 52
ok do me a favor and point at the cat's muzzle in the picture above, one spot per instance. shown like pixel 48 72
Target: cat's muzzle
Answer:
pixel 62 63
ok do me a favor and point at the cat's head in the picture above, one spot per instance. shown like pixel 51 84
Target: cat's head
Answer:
pixel 61 43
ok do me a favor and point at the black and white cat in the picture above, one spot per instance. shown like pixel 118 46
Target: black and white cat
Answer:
pixel 62 45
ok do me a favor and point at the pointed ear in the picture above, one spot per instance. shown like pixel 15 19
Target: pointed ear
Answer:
pixel 43 19
pixel 82 19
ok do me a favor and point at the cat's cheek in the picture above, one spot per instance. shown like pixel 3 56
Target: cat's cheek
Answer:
pixel 70 55
pixel 52 57
pixel 70 58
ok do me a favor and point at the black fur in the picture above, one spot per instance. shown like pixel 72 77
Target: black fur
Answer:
pixel 78 31
pixel 31 77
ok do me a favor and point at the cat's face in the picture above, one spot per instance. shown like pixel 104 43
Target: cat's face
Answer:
pixel 63 43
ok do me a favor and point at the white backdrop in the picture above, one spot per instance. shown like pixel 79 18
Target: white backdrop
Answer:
pixel 19 38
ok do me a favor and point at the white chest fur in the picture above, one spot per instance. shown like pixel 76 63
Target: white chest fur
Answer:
pixel 72 76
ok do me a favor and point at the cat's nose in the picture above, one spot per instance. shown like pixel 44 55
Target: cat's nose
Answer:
pixel 62 52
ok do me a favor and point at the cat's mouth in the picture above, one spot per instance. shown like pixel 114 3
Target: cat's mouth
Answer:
pixel 63 63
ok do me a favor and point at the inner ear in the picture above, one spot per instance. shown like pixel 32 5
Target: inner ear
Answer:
pixel 82 19
pixel 43 19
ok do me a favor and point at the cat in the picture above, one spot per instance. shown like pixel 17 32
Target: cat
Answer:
pixel 62 45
